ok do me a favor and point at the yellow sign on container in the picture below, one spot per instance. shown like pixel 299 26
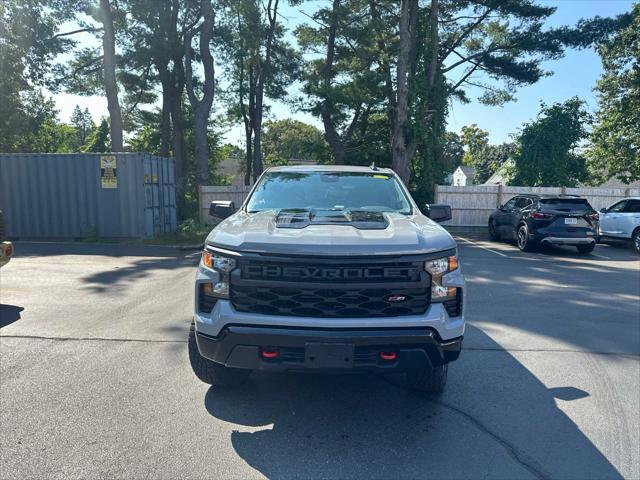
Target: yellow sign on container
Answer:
pixel 108 176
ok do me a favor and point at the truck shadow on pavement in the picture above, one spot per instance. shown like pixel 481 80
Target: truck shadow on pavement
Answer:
pixel 9 314
pixel 496 419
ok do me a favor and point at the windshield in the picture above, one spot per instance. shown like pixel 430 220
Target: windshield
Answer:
pixel 371 192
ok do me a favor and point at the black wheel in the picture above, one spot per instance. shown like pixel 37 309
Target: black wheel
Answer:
pixel 636 240
pixel 493 231
pixel 586 248
pixel 429 379
pixel 524 243
pixel 211 372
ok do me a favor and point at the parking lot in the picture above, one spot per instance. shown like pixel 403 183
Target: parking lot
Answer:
pixel 95 379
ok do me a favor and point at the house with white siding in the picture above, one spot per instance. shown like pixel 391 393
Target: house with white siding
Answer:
pixel 463 176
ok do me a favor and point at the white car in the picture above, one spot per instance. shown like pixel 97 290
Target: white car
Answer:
pixel 621 220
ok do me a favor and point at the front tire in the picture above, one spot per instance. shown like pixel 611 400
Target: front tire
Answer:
pixel 584 249
pixel 524 244
pixel 429 379
pixel 211 372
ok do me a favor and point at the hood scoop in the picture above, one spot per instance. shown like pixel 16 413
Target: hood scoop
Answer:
pixel 301 218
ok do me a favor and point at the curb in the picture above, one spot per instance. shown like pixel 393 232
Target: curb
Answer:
pixel 196 246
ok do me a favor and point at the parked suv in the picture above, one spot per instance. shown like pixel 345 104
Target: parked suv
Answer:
pixel 621 220
pixel 328 268
pixel 532 220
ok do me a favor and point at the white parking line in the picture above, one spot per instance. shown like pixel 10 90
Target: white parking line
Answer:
pixel 482 247
pixel 600 256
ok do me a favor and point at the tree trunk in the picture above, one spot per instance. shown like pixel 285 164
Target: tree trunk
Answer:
pixel 257 130
pixel 330 133
pixel 263 73
pixel 333 139
pixel 179 144
pixel 201 107
pixel 110 83
pixel 433 44
pixel 165 118
pixel 402 153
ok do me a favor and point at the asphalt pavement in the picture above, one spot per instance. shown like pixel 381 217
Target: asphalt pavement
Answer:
pixel 95 380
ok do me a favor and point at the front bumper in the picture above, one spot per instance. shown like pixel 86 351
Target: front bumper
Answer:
pixel 239 347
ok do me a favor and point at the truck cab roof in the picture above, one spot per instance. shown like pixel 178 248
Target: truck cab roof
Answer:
pixel 331 168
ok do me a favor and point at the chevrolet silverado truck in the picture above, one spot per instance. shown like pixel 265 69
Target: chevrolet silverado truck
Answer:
pixel 6 247
pixel 332 269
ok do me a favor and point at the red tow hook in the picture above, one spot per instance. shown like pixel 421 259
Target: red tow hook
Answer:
pixel 388 356
pixel 269 353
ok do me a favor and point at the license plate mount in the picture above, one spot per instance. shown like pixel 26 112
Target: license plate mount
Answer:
pixel 570 221
pixel 329 355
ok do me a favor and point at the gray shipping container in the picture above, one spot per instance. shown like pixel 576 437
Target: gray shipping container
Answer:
pixel 51 195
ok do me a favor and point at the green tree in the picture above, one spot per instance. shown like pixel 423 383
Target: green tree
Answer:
pixel 28 46
pixel 201 101
pixel 345 74
pixel 453 150
pixel 287 139
pixel 616 135
pixel 83 124
pixel 548 152
pixel 99 140
pixel 41 130
pixel 261 64
pixel 474 140
pixel 484 157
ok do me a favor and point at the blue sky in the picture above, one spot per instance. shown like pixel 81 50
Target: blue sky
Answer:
pixel 575 74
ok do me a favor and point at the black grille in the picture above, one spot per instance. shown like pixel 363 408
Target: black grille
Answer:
pixel 359 290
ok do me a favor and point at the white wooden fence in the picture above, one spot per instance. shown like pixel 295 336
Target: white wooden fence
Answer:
pixel 209 194
pixel 471 206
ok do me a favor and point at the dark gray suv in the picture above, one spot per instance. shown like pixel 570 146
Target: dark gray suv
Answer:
pixel 533 220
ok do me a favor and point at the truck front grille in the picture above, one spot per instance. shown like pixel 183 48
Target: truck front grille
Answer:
pixel 331 291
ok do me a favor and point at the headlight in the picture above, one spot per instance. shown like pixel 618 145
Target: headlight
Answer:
pixel 223 265
pixel 437 268
pixel 218 262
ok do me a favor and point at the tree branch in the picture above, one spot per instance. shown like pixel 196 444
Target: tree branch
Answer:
pixel 465 33
pixel 80 30
pixel 470 58
pixel 464 78
pixel 87 64
pixel 145 76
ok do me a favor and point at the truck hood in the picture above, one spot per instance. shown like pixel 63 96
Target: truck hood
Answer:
pixel 259 233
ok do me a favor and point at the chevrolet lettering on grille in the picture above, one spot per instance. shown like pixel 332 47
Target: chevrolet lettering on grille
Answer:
pixel 330 273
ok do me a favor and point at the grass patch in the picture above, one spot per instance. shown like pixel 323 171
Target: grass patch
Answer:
pixel 189 232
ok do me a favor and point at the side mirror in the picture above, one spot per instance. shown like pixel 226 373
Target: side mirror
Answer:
pixel 438 212
pixel 603 210
pixel 221 209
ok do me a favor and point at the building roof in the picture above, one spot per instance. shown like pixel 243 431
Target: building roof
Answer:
pixel 468 170
pixel 495 179
pixel 617 183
